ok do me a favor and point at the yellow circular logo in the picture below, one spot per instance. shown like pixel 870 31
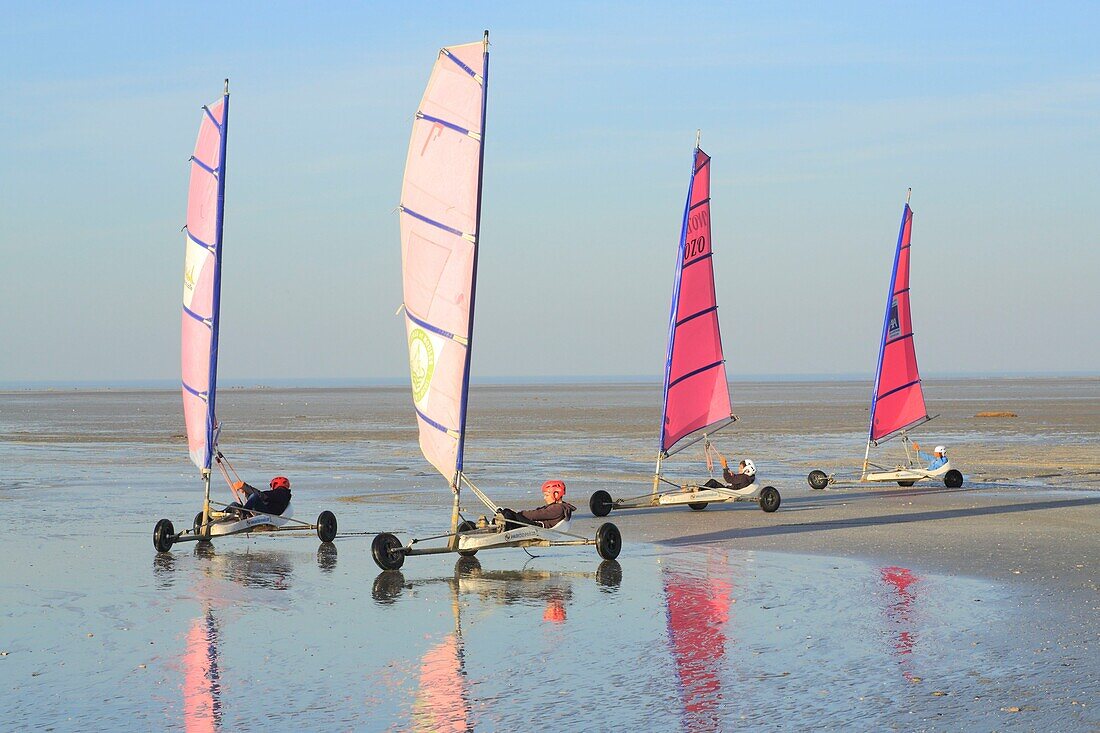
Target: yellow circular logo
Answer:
pixel 421 362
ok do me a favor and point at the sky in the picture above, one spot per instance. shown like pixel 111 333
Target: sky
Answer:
pixel 817 118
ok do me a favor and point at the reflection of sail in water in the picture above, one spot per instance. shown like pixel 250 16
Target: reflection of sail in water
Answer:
pixel 201 685
pixel 442 704
pixel 698 608
pixel 899 612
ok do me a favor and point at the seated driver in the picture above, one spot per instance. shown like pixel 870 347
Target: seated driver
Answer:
pixel 745 476
pixel 275 501
pixel 937 460
pixel 555 510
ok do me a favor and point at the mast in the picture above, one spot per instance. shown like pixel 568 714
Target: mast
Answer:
pixel 215 316
pixel 473 276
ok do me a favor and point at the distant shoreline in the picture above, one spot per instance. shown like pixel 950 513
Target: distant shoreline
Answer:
pixel 586 380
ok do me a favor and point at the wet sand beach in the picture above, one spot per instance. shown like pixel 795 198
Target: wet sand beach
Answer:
pixel 864 608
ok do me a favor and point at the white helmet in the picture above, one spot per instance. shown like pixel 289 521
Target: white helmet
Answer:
pixel 941 449
pixel 750 468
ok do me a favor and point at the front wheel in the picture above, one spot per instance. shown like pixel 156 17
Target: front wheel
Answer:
pixel 906 483
pixel 609 541
pixel 770 499
pixel 818 480
pixel 164 535
pixel 326 526
pixel 698 505
pixel 204 536
pixel 953 479
pixel 600 503
pixel 387 552
pixel 466 526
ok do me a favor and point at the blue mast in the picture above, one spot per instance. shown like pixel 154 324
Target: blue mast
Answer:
pixel 215 316
pixel 473 276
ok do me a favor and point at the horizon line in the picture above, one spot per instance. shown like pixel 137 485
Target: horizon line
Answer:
pixel 548 380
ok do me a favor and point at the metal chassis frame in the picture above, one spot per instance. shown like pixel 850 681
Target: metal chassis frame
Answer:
pixel 188 535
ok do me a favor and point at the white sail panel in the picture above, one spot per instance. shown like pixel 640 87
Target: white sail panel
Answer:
pixel 439 210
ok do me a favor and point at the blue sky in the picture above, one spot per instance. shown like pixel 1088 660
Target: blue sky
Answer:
pixel 817 118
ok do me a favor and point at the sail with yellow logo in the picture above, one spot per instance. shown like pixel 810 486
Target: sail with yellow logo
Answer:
pixel 440 221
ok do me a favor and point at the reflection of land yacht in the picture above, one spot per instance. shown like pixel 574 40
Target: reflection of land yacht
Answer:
pixel 698 609
pixel 443 698
pixel 897 401
pixel 201 315
pixel 202 710
pixel 696 391
pixel 440 215
pixel 899 613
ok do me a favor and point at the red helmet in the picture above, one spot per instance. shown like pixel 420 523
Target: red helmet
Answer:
pixel 280 482
pixel 555 488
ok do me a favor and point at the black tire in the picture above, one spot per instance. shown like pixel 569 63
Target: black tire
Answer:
pixel 387 587
pixel 906 483
pixel 770 499
pixel 609 575
pixel 600 503
pixel 609 541
pixel 197 528
pixel 698 506
pixel 953 479
pixel 818 480
pixel 387 552
pixel 164 535
pixel 466 526
pixel 326 526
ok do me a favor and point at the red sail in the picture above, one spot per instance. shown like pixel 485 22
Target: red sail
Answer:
pixel 899 400
pixel 697 395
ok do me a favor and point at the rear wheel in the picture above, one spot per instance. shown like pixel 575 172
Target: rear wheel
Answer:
pixel 609 541
pixel 164 535
pixel 818 480
pixel 466 526
pixel 386 551
pixel 698 505
pixel 326 526
pixel 770 499
pixel 600 503
pixel 906 483
pixel 953 479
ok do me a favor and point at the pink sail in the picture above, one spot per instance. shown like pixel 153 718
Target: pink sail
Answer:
pixel 697 394
pixel 442 703
pixel 898 398
pixel 440 207
pixel 201 283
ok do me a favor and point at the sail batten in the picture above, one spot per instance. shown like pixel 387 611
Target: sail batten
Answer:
pixel 898 399
pixel 202 282
pixel 696 393
pixel 440 221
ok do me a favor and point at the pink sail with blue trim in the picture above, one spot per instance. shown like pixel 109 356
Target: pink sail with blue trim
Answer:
pixel 898 401
pixel 440 211
pixel 202 283
pixel 697 397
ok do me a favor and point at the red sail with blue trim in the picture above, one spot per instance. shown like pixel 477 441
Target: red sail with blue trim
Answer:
pixel 697 396
pixel 898 401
